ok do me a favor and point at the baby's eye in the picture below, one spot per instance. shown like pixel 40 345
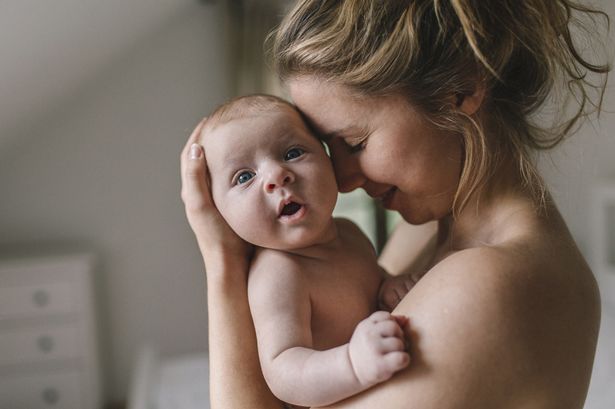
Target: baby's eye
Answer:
pixel 245 176
pixel 293 153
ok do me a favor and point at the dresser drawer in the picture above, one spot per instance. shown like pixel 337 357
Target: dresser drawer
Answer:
pixel 33 300
pixel 42 391
pixel 40 344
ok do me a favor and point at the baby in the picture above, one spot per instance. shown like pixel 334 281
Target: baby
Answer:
pixel 314 280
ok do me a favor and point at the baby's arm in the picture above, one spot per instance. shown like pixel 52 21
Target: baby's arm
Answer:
pixel 295 372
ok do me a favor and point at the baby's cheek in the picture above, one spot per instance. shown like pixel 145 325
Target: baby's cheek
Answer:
pixel 244 221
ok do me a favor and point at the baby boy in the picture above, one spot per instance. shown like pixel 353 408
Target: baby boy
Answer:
pixel 314 279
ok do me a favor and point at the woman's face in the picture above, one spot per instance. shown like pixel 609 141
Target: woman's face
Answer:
pixel 385 146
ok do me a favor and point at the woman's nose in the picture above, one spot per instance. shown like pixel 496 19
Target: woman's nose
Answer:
pixel 348 173
pixel 278 177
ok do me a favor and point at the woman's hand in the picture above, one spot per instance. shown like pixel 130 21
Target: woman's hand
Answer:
pixel 213 234
pixel 394 288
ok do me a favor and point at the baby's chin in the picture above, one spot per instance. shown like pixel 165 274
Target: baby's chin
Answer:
pixel 282 243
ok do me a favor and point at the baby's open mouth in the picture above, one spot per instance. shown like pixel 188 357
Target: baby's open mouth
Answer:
pixel 290 208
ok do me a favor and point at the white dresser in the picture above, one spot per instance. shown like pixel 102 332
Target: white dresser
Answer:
pixel 48 346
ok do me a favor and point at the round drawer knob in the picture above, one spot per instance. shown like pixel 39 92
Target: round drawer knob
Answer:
pixel 50 396
pixel 45 343
pixel 41 298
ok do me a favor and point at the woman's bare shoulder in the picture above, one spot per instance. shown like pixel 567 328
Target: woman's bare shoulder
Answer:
pixel 479 327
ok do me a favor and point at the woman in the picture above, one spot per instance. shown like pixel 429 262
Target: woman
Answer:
pixel 430 106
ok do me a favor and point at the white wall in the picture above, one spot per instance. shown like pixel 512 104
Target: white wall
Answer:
pixel 101 172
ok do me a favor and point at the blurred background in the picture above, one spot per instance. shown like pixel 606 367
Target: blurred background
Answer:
pixel 97 99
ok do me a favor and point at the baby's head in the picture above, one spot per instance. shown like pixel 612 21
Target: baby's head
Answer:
pixel 271 178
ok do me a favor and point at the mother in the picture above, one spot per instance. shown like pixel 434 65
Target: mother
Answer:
pixel 429 105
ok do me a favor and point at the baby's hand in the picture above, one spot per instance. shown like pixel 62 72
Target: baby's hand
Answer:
pixel 377 348
pixel 393 290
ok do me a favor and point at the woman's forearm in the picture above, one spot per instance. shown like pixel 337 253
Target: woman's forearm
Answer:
pixel 409 249
pixel 236 380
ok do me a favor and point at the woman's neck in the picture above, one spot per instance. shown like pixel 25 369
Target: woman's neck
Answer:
pixel 497 212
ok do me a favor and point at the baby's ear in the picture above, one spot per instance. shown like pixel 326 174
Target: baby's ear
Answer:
pixel 470 103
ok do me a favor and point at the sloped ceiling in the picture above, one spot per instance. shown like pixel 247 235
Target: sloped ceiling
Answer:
pixel 49 49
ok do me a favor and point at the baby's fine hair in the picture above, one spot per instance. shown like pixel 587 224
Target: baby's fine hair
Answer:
pixel 518 51
pixel 244 107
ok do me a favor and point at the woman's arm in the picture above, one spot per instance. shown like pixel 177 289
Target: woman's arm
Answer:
pixel 469 341
pixel 409 249
pixel 236 381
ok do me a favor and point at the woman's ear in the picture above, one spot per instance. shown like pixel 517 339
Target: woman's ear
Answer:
pixel 470 103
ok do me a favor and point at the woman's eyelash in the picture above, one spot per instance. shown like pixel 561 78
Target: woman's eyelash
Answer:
pixel 357 147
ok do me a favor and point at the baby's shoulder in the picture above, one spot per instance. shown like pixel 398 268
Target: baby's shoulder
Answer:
pixel 274 264
pixel 275 274
pixel 271 260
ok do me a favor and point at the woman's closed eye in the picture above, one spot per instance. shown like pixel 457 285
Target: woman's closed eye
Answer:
pixel 356 142
pixel 356 147
pixel 293 153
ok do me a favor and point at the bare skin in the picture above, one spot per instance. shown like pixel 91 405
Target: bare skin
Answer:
pixel 313 280
pixel 308 305
pixel 506 315
pixel 506 318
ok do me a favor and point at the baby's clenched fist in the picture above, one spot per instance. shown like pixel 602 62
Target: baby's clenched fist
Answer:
pixel 377 348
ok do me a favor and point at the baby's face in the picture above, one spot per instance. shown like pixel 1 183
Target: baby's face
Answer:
pixel 271 180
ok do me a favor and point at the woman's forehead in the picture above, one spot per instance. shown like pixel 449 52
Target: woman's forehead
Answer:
pixel 332 108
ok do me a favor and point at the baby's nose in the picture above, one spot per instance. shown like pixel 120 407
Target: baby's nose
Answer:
pixel 278 178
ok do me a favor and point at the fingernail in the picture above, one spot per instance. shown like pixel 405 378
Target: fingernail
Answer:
pixel 195 151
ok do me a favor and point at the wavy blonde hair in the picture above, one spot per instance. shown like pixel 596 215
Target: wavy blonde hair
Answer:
pixel 430 50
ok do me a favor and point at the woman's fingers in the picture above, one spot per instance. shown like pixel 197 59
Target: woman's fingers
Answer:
pixel 195 185
pixel 194 136
pixel 211 230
